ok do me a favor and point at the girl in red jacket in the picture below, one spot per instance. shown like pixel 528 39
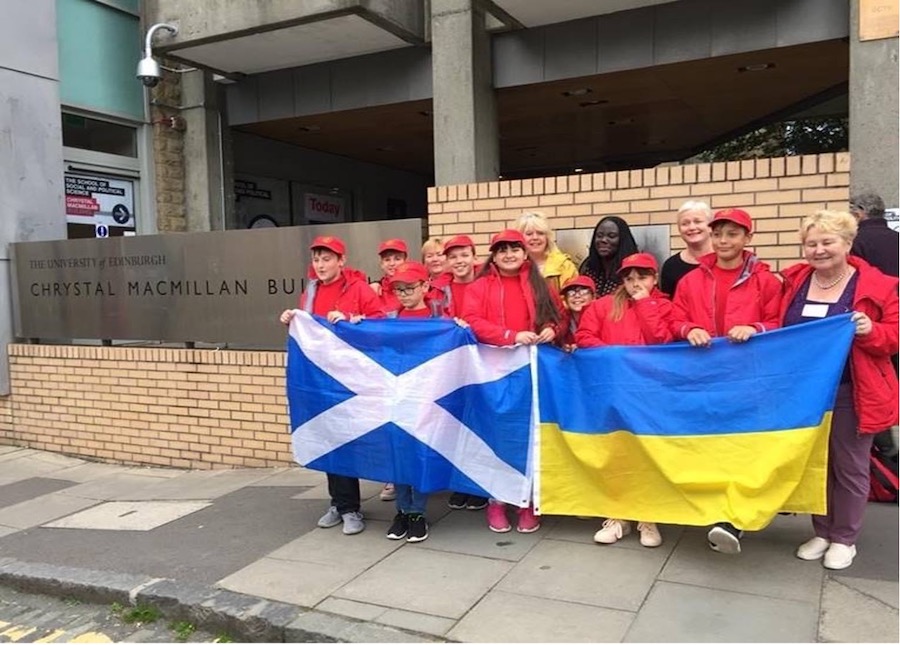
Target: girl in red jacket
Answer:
pixel 730 294
pixel 510 304
pixel 577 294
pixel 830 283
pixel 637 313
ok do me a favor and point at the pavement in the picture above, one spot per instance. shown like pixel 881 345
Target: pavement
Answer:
pixel 238 551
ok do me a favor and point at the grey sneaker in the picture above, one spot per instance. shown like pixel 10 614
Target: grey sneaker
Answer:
pixel 353 523
pixel 331 518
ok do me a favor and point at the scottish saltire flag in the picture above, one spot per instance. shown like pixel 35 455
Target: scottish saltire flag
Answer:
pixel 413 402
pixel 684 435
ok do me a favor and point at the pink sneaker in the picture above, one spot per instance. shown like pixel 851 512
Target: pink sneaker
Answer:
pixel 496 517
pixel 528 521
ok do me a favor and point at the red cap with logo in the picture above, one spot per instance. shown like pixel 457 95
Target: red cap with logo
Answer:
pixel 736 215
pixel 579 281
pixel 639 261
pixel 509 236
pixel 410 272
pixel 333 244
pixel 394 244
pixel 458 241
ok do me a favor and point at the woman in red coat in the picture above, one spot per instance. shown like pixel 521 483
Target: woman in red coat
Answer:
pixel 833 282
pixel 510 304
pixel 637 313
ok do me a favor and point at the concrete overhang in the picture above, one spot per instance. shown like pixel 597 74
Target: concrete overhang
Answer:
pixel 235 38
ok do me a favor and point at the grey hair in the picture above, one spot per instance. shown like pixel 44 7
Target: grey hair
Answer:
pixel 869 203
pixel 695 206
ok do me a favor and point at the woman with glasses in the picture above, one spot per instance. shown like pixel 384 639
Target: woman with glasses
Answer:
pixel 636 314
pixel 611 243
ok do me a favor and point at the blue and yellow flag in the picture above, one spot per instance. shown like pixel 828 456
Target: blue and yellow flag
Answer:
pixel 684 435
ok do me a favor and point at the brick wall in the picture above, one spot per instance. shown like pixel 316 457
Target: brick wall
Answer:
pixel 162 407
pixel 776 192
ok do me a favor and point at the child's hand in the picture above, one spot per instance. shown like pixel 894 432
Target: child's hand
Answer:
pixel 526 338
pixel 570 348
pixel 698 337
pixel 740 333
pixel 355 319
pixel 462 323
pixel 286 316
pixel 639 292
pixel 546 336
pixel 335 316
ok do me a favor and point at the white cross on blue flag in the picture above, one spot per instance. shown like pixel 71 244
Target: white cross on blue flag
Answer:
pixel 414 402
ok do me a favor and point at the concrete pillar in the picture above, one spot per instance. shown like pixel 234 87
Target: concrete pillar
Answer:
pixel 873 113
pixel 204 150
pixel 466 147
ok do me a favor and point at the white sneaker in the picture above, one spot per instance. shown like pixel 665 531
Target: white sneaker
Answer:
pixel 331 518
pixel 650 536
pixel 353 523
pixel 839 556
pixel 612 531
pixel 813 549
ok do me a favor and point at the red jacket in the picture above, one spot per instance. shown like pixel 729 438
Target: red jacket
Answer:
pixel 389 301
pixel 644 322
pixel 357 297
pixel 754 299
pixel 875 388
pixel 483 309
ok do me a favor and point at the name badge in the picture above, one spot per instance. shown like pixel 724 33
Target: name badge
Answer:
pixel 814 310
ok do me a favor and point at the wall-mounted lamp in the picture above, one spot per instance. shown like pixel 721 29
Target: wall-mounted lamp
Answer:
pixel 149 71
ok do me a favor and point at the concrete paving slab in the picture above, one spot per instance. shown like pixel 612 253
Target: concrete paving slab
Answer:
pixel 504 617
pixel 426 581
pixel 763 567
pixel 59 460
pixel 877 556
pixel 25 467
pixel 885 591
pixel 106 488
pixel 679 613
pixel 207 484
pixel 466 532
pixel 5 450
pixel 128 516
pixel 15 452
pixel 587 574
pixel 88 472
pixel 299 583
pixel 422 623
pixel 45 508
pixel 26 489
pixel 330 547
pixel 351 608
pixel 7 530
pixel 572 529
pixel 151 471
pixel 849 616
pixel 317 492
pixel 300 477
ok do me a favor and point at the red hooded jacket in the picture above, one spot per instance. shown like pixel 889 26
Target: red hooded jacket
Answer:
pixel 356 298
pixel 875 387
pixel 754 299
pixel 644 322
pixel 484 312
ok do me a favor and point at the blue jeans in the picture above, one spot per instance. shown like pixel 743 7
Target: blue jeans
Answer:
pixel 409 500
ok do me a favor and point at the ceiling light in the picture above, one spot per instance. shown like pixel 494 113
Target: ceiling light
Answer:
pixel 581 91
pixel 594 102
pixel 756 67
pixel 579 170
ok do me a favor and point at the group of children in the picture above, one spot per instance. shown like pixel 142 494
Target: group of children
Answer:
pixel 506 301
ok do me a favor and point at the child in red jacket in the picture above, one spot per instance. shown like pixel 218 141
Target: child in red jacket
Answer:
pixel 637 313
pixel 510 304
pixel 731 294
pixel 577 294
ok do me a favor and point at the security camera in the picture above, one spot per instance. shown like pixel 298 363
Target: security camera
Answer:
pixel 149 72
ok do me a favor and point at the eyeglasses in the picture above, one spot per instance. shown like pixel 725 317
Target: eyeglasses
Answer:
pixel 406 291
pixel 578 291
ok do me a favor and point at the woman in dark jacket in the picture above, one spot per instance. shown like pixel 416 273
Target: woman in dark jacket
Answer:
pixel 611 243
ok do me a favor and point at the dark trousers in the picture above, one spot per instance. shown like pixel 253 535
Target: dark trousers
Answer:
pixel 344 493
pixel 848 474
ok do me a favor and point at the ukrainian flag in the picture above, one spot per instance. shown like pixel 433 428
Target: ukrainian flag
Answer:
pixel 693 436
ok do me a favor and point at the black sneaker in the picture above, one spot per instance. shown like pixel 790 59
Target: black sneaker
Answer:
pixel 457 501
pixel 476 503
pixel 725 538
pixel 418 528
pixel 399 527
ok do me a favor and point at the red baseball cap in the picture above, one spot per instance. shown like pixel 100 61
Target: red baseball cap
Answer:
pixel 458 241
pixel 394 244
pixel 639 261
pixel 509 236
pixel 736 215
pixel 410 272
pixel 579 281
pixel 333 244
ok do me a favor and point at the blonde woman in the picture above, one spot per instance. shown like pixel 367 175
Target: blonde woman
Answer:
pixel 556 267
pixel 433 257
pixel 693 226
pixel 832 282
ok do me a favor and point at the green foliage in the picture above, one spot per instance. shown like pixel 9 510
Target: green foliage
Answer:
pixel 136 614
pixel 182 629
pixel 798 137
pixel 223 638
